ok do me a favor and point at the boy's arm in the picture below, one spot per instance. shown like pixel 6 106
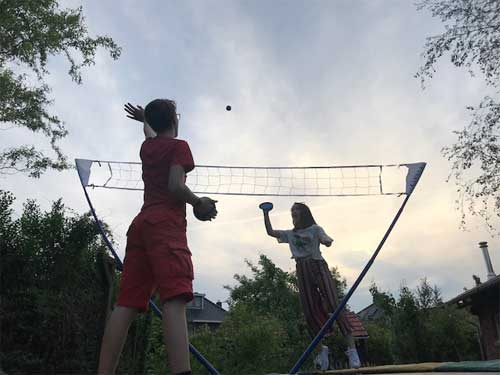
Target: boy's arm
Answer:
pixel 137 114
pixel 178 188
pixel 148 131
pixel 269 228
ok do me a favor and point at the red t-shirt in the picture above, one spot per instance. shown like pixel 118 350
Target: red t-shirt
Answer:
pixel 157 155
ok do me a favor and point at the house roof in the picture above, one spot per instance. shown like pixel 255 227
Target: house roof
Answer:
pixel 358 330
pixel 371 313
pixel 469 296
pixel 207 312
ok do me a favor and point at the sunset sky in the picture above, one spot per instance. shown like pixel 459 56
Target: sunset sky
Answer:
pixel 310 83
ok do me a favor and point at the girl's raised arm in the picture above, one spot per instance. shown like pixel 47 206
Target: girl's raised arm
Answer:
pixel 269 228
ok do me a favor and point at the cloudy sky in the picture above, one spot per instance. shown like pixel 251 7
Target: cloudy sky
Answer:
pixel 310 83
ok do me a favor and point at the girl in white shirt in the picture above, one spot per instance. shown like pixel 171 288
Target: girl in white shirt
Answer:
pixel 317 289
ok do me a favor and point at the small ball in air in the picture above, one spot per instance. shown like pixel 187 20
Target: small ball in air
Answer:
pixel 228 107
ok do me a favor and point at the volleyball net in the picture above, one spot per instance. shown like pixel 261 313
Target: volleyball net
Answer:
pixel 318 181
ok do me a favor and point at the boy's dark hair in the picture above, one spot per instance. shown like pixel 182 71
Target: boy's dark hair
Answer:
pixel 161 114
pixel 306 217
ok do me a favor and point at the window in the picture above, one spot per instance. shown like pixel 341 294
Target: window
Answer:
pixel 196 303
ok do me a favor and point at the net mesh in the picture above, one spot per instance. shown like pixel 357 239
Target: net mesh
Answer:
pixel 264 181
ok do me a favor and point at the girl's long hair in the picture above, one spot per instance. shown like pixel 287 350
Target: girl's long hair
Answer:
pixel 306 217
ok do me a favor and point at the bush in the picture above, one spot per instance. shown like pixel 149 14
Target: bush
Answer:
pixel 54 297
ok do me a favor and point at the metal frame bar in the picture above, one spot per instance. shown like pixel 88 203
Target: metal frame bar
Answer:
pixel 330 320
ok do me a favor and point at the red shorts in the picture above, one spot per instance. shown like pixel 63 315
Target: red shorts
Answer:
pixel 156 258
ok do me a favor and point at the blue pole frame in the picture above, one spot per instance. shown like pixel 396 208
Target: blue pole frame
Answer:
pixel 119 264
pixel 326 325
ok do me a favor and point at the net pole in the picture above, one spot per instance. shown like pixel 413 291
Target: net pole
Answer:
pixel 344 301
pixel 119 264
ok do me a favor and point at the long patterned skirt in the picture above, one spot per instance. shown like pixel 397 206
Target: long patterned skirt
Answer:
pixel 318 295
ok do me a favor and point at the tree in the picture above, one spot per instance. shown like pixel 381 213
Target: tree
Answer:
pixel 54 300
pixel 264 329
pixel 418 327
pixel 272 292
pixel 30 32
pixel 379 344
pixel 247 342
pixel 472 39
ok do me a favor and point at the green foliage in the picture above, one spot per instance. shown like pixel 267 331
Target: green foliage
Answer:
pixel 472 39
pixel 418 327
pixel 272 292
pixel 156 362
pixel 53 302
pixel 264 331
pixel 267 303
pixel 478 145
pixel 406 327
pixel 30 32
pixel 134 359
pixel 457 331
pixel 379 345
pixel 246 343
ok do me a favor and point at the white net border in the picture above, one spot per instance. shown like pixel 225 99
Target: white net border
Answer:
pixel 352 180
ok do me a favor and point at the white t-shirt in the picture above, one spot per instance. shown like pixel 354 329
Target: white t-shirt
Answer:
pixel 304 242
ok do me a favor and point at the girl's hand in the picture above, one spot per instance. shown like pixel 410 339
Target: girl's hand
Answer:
pixel 326 241
pixel 135 113
pixel 266 206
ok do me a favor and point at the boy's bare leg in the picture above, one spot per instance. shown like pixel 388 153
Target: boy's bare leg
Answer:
pixel 114 338
pixel 176 335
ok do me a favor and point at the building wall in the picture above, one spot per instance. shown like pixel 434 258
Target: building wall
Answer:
pixel 488 316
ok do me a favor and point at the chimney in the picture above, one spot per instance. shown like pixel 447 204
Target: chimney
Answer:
pixel 484 247
pixel 219 303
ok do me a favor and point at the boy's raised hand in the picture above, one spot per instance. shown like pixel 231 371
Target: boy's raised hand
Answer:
pixel 135 113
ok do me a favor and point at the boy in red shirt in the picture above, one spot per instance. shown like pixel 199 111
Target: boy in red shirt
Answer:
pixel 157 256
